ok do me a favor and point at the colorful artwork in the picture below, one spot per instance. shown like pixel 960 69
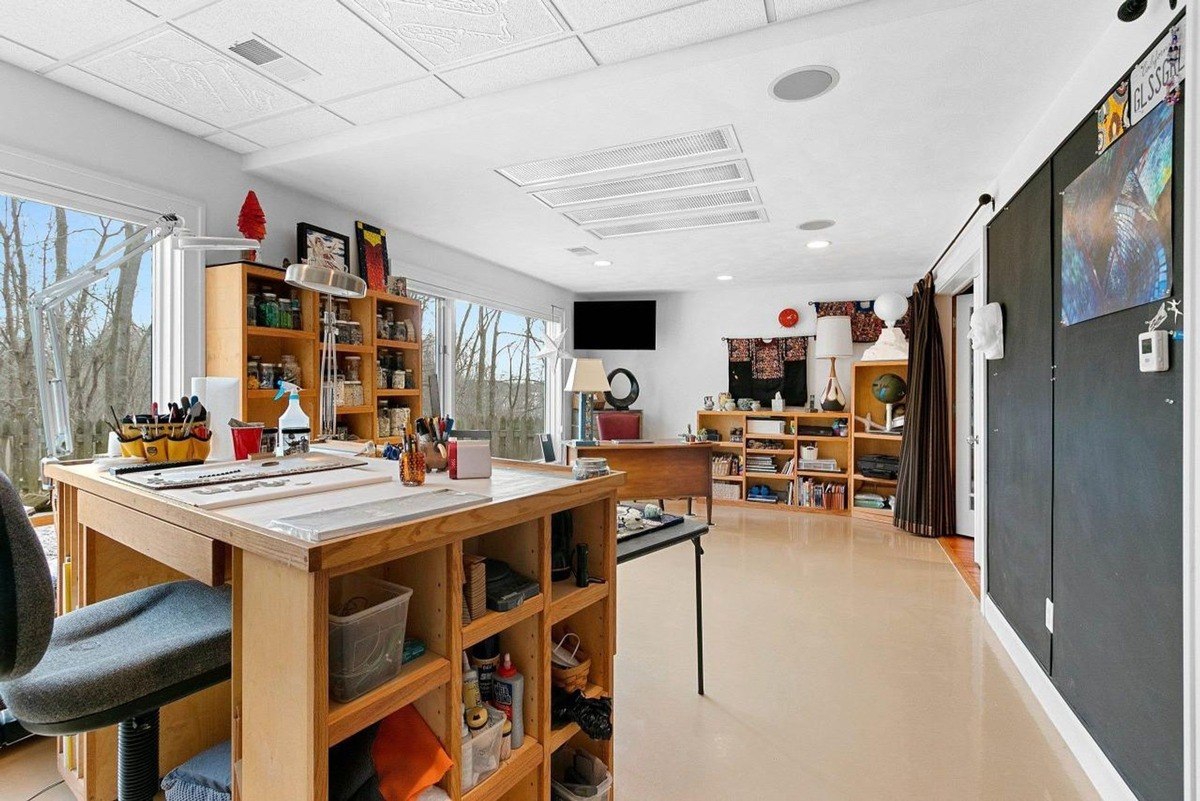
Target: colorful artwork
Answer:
pixel 321 247
pixel 864 325
pixel 1156 77
pixel 1112 118
pixel 372 255
pixel 1116 237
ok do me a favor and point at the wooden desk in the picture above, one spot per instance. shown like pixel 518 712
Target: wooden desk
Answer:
pixel 658 469
pixel 276 708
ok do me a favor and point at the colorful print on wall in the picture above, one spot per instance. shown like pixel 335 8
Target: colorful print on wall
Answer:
pixel 372 255
pixel 864 325
pixel 322 247
pixel 1156 77
pixel 1117 224
pixel 1112 118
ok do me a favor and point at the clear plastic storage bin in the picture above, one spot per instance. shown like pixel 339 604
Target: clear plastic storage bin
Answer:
pixel 367 617
pixel 485 749
pixel 596 780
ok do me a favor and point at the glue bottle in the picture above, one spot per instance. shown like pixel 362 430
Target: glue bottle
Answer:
pixel 295 430
pixel 508 695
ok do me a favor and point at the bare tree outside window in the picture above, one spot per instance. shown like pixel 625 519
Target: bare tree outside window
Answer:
pixel 106 331
pixel 499 381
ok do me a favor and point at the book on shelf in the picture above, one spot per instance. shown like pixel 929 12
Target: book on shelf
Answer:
pixel 815 494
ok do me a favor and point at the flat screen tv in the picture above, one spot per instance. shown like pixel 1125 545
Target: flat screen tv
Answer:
pixel 615 324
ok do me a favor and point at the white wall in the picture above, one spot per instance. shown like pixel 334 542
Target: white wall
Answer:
pixel 54 121
pixel 692 361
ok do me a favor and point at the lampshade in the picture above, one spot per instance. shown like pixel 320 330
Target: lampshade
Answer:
pixel 833 338
pixel 325 280
pixel 890 307
pixel 588 375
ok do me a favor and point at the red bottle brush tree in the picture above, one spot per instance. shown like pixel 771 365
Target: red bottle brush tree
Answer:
pixel 252 223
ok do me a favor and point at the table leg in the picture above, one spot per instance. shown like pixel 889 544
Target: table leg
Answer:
pixel 699 618
pixel 689 511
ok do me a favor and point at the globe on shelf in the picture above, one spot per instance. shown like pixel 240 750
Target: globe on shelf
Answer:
pixel 889 388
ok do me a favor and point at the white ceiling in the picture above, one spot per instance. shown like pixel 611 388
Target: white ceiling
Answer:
pixel 413 104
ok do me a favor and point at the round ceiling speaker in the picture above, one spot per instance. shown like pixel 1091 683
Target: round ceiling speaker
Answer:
pixel 816 225
pixel 806 83
pixel 1131 10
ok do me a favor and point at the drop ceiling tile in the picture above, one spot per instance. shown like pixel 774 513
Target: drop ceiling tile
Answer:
pixel 347 53
pixel 98 87
pixel 792 9
pixel 584 15
pixel 678 28
pixel 60 28
pixel 528 66
pixel 169 8
pixel 448 31
pixel 307 123
pixel 189 77
pixel 22 56
pixel 231 141
pixel 394 101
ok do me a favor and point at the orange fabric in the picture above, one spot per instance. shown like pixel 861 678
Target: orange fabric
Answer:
pixel 408 757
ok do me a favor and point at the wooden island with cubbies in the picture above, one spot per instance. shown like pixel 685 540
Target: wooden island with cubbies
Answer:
pixel 277 708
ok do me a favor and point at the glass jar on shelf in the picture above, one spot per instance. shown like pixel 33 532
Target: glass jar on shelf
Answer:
pixel 297 319
pixel 354 333
pixel 251 308
pixel 285 313
pixel 290 370
pixel 353 364
pixel 252 374
pixel 343 309
pixel 267 375
pixel 382 375
pixel 383 421
pixel 268 310
pixel 354 393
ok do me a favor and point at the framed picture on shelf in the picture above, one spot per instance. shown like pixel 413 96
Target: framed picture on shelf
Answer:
pixel 372 255
pixel 323 247
pixel 397 285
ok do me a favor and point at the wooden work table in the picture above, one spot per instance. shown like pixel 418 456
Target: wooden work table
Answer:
pixel 115 538
pixel 669 469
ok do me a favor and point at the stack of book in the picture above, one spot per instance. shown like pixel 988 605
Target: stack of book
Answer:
pixel 760 464
pixel 824 465
pixel 813 494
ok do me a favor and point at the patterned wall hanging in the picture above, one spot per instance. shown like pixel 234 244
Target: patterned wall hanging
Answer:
pixel 864 325
pixel 758 368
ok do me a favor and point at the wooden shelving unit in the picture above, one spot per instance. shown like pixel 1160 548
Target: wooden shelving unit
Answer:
pixel 232 341
pixel 780 448
pixel 863 443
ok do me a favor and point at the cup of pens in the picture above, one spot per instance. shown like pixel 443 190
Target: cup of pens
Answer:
pixel 181 435
pixel 433 438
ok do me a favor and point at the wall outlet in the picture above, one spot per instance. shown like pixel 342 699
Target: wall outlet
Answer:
pixel 1049 616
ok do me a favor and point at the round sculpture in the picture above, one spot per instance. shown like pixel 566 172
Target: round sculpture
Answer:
pixel 630 397
pixel 889 388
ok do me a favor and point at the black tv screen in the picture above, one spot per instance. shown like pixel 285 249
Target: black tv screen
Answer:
pixel 615 324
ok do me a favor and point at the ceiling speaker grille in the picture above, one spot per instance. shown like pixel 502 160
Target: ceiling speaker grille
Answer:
pixel 713 142
pixel 668 205
pixel 668 181
pixel 582 251
pixel 709 220
pixel 270 60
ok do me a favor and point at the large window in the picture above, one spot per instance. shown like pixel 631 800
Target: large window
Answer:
pixel 499 380
pixel 106 331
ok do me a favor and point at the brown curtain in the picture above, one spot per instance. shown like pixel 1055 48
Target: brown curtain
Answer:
pixel 925 493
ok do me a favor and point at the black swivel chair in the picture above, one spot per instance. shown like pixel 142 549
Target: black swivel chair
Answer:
pixel 115 662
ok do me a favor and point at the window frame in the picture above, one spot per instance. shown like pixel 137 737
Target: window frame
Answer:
pixel 177 347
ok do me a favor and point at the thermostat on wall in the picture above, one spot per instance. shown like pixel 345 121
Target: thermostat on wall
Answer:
pixel 1152 352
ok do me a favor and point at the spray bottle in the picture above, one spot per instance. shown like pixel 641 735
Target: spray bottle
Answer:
pixel 295 430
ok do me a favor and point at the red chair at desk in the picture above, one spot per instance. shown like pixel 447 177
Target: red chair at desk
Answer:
pixel 618 425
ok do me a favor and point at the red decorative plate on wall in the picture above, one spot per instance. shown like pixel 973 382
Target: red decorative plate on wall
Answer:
pixel 789 317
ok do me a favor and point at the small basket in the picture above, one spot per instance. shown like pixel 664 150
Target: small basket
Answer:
pixel 725 491
pixel 575 678
pixel 721 465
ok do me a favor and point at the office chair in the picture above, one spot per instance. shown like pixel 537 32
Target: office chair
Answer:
pixel 618 425
pixel 115 662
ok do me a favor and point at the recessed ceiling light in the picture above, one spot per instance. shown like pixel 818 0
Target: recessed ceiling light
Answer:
pixel 602 263
pixel 816 225
pixel 819 244
pixel 724 277
pixel 804 83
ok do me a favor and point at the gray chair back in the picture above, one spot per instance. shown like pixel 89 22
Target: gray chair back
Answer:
pixel 26 594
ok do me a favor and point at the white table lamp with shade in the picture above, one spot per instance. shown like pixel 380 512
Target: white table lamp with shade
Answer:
pixel 587 376
pixel 833 342
pixel 892 345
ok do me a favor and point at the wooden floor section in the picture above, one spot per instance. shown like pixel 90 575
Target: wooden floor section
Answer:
pixel 961 551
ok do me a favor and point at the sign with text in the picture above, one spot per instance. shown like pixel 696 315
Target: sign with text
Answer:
pixel 1157 75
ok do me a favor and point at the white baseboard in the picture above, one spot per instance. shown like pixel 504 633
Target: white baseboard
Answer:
pixel 1095 764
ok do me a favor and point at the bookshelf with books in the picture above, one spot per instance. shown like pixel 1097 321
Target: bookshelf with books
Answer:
pixel 872 491
pixel 793 460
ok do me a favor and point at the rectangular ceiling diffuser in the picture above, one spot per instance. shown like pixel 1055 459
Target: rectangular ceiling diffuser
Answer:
pixel 271 60
pixel 715 142
pixel 709 220
pixel 666 205
pixel 706 176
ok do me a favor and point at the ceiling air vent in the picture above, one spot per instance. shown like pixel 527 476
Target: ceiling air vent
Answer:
pixel 671 180
pixel 582 251
pixel 709 220
pixel 715 142
pixel 272 61
pixel 667 205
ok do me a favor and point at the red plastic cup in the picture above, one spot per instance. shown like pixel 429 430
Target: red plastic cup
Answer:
pixel 246 441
